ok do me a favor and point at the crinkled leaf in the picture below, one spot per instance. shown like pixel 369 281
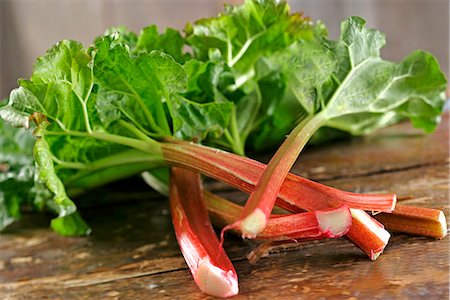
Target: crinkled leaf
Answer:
pixel 14 117
pixel 68 221
pixel 59 87
pixel 121 35
pixel 246 32
pixel 194 121
pixel 170 42
pixel 242 38
pixel 203 80
pixel 137 87
pixel 16 172
pixel 413 88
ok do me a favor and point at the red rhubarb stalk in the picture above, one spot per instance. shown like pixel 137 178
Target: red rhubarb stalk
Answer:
pixel 306 226
pixel 212 270
pixel 416 221
pixel 298 193
pixel 368 234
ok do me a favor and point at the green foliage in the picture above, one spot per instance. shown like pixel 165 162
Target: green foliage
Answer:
pixel 255 72
pixel 16 173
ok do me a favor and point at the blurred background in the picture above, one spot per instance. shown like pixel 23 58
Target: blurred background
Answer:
pixel 29 27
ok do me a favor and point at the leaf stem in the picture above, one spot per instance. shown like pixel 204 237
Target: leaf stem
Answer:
pixel 244 48
pixel 138 133
pixel 148 146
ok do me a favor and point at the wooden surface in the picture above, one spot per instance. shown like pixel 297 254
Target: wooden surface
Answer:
pixel 132 252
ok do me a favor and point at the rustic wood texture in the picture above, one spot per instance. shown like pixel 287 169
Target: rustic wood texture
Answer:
pixel 132 253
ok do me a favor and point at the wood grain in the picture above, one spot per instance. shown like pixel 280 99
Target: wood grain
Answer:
pixel 132 253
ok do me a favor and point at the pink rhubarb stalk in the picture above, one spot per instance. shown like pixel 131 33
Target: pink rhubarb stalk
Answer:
pixel 212 270
pixel 296 194
pixel 306 226
pixel 368 234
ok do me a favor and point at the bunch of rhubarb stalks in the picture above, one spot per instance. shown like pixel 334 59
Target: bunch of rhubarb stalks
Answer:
pixel 317 212
pixel 183 103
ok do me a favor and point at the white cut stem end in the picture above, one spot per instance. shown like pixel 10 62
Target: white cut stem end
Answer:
pixel 337 222
pixel 216 282
pixel 443 223
pixel 253 224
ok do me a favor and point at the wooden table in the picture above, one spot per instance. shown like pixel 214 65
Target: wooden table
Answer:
pixel 132 252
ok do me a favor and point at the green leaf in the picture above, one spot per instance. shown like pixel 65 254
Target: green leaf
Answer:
pixel 412 88
pixel 68 221
pixel 70 225
pixel 59 88
pixel 121 35
pixel 135 87
pixel 16 173
pixel 307 66
pixel 242 38
pixel 194 121
pixel 169 42
pixel 245 33
pixel 14 117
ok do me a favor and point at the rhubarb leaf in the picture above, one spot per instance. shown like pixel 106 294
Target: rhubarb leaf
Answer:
pixel 132 87
pixel 206 80
pixel 68 221
pixel 245 33
pixel 59 87
pixel 241 38
pixel 122 35
pixel 170 42
pixel 194 121
pixel 369 84
pixel 16 173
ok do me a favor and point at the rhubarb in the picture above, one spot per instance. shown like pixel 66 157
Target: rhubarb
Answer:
pixel 296 194
pixel 243 173
pixel 240 81
pixel 212 270
pixel 419 221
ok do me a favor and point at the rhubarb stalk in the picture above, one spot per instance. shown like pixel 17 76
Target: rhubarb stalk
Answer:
pixel 296 194
pixel 212 270
pixel 416 221
pixel 259 205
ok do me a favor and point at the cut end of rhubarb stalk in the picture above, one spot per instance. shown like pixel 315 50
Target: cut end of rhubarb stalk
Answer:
pixel 216 282
pixel 380 237
pixel 372 224
pixel 253 224
pixel 336 222
pixel 443 223
pixel 394 202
